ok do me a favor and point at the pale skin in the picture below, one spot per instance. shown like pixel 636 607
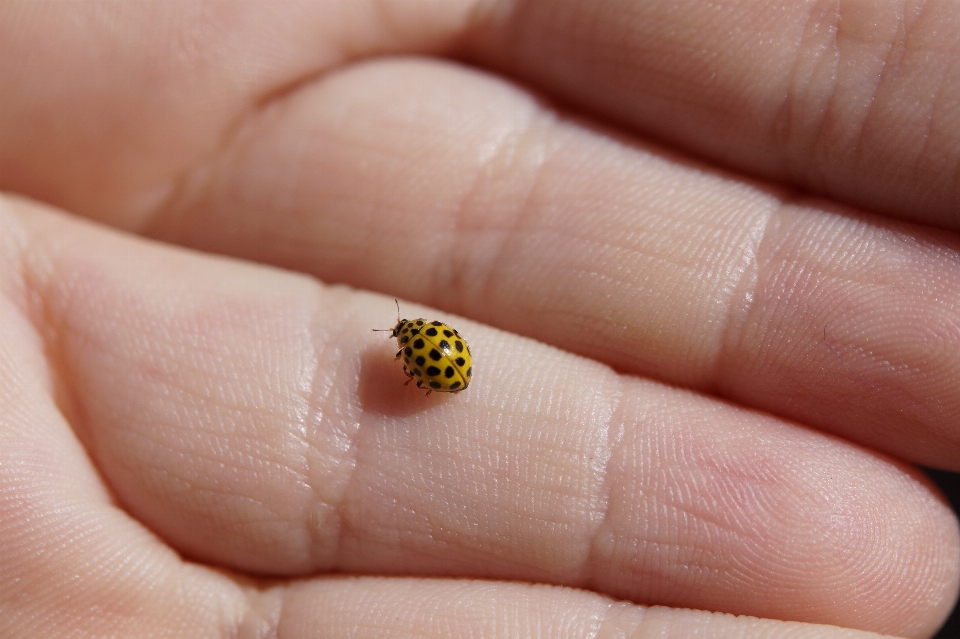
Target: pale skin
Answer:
pixel 730 229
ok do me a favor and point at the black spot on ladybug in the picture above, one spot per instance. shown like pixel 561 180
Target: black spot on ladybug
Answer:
pixel 459 346
pixel 419 322
pixel 418 344
pixel 421 360
pixel 404 339
pixel 447 332
pixel 460 361
pixel 433 371
pixel 454 385
pixel 435 355
pixel 415 331
pixel 470 372
pixel 408 351
pixel 431 331
pixel 417 372
pixel 449 372
pixel 435 384
pixel 444 346
pixel 436 323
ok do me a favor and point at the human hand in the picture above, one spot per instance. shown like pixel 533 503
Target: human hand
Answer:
pixel 195 446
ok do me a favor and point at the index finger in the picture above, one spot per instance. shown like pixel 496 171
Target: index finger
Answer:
pixel 456 189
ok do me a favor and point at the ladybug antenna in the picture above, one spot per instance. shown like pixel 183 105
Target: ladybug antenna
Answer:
pixel 390 330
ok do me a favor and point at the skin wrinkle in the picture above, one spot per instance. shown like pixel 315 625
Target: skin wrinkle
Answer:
pixel 36 311
pixel 929 131
pixel 891 65
pixel 717 526
pixel 316 398
pixel 49 328
pixel 588 575
pixel 486 289
pixel 682 568
pixel 321 386
pixel 262 611
pixel 845 365
pixel 722 520
pixel 181 191
pixel 819 137
pixel 788 123
pixel 743 300
pixel 790 116
pixel 617 617
pixel 892 58
pixel 198 180
pixel 453 277
pixel 898 47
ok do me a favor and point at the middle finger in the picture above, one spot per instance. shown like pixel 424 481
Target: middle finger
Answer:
pixel 440 184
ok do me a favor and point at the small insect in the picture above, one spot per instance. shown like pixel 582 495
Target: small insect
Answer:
pixel 434 354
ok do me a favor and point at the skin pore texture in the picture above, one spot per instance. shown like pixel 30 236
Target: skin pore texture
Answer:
pixel 705 255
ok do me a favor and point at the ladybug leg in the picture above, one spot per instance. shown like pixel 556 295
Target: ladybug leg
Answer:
pixel 398 354
pixel 429 390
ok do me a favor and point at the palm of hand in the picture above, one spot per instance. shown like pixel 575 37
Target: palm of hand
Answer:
pixel 670 438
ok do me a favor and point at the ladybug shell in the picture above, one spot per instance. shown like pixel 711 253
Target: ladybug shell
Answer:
pixel 434 354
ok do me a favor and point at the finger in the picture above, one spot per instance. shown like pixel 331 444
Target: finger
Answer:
pixel 73 563
pixel 58 520
pixel 106 104
pixel 854 100
pixel 405 607
pixel 455 189
pixel 253 420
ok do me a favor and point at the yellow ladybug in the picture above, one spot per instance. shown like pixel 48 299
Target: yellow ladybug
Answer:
pixel 434 354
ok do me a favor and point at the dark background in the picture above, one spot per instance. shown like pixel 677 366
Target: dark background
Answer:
pixel 950 485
